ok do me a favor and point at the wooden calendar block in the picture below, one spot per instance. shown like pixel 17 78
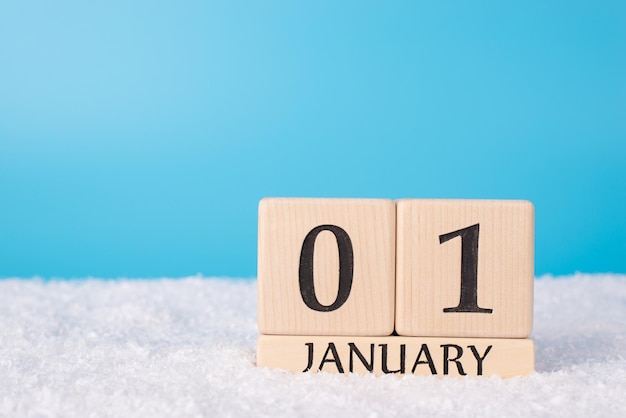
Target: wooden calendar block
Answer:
pixel 464 268
pixel 326 266
pixel 398 355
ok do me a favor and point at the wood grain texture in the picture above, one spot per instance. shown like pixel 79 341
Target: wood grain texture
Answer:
pixel 283 225
pixel 428 271
pixel 398 355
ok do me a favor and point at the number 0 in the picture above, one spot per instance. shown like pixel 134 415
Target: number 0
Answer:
pixel 346 268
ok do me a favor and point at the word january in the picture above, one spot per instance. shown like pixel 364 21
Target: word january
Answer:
pixel 450 353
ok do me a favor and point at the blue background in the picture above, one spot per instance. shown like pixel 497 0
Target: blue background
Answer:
pixel 137 137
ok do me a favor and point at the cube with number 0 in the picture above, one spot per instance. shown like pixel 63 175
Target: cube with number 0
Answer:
pixel 326 266
pixel 464 268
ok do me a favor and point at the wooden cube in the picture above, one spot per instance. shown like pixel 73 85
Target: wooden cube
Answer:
pixel 326 266
pixel 464 268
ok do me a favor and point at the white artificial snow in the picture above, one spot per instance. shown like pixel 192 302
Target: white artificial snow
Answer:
pixel 186 347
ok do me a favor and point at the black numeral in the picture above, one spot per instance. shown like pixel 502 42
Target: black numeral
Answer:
pixel 469 269
pixel 346 268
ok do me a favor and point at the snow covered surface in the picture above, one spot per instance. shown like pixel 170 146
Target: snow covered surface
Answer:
pixel 186 347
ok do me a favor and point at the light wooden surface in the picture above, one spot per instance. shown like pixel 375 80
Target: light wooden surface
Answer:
pixel 428 268
pixel 283 225
pixel 399 355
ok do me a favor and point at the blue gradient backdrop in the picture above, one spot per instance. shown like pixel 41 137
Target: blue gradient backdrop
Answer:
pixel 137 137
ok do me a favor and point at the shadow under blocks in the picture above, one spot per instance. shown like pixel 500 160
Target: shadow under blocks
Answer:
pixel 414 286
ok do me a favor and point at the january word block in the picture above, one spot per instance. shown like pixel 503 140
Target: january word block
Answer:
pixel 398 355
pixel 326 266
pixel 464 268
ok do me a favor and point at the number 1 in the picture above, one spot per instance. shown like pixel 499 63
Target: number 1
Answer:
pixel 469 269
